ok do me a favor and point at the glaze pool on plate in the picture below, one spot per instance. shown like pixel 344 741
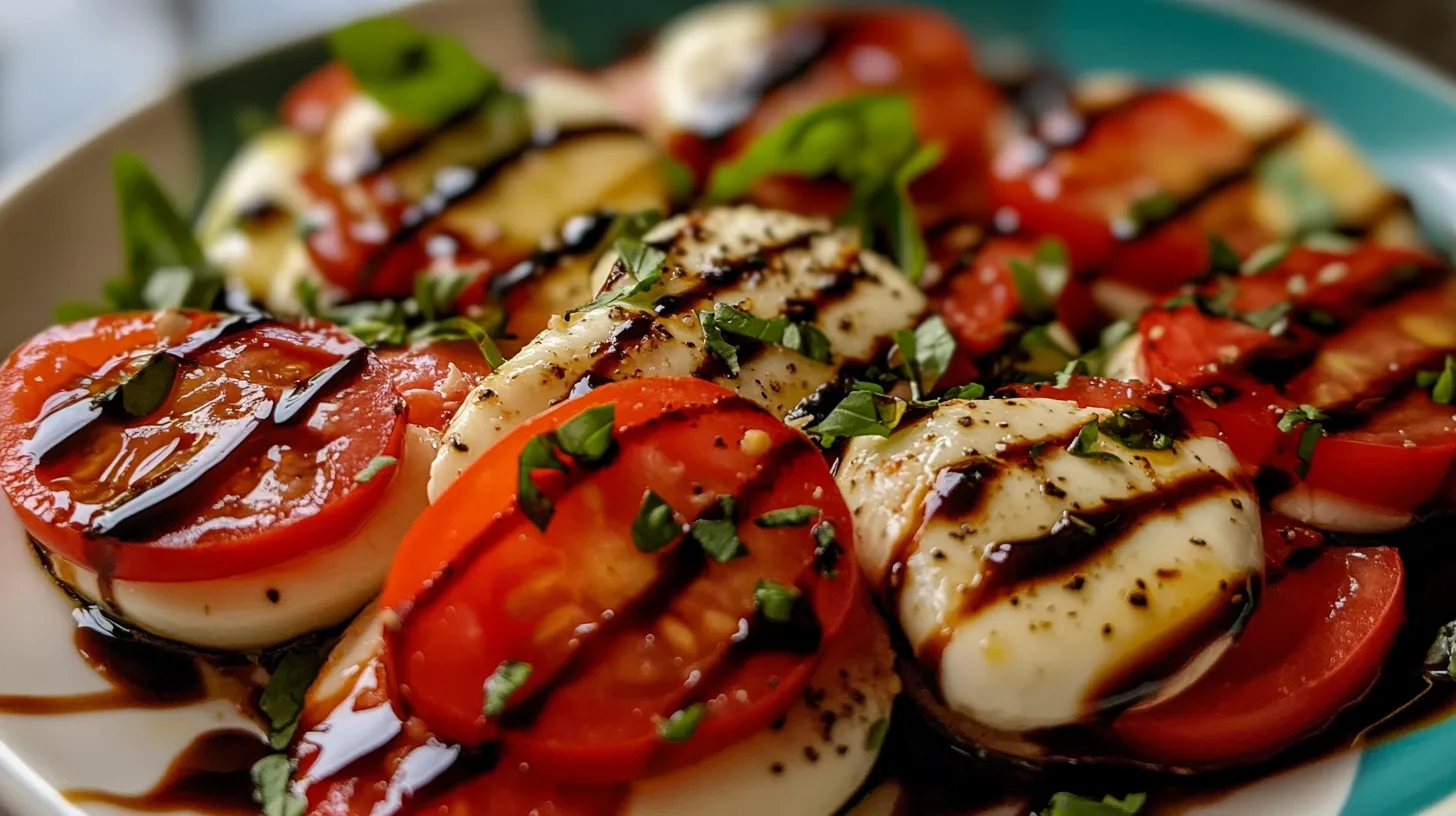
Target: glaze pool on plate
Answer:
pixel 1404 119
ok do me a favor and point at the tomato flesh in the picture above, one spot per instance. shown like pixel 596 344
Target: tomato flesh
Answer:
pixel 434 378
pixel 617 639
pixel 1314 646
pixel 227 482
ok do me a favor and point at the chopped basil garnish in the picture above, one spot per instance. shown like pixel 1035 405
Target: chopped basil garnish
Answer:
pixel 643 265
pixel 399 322
pixel 925 354
pixel 654 527
pixel 164 265
pixel 538 454
pixel 147 389
pixel 1265 258
pixel 422 77
pixel 681 182
pixel 462 328
pixel 1066 804
pixel 788 516
pixel 374 468
pixel 875 737
pixel 860 413
pixel 867 141
pixel 1310 208
pixel 1151 209
pixel 435 294
pixel 282 699
pixel 726 321
pixel 1310 417
pixel 273 789
pixel 1134 428
pixel 587 437
pixel 719 537
pixel 1441 383
pixel 1441 657
pixel 1221 256
pixel 504 682
pixel 1077 521
pixel 1040 283
pixel 774 600
pixel 969 391
pixel 1070 370
pixel 1085 445
pixel 826 549
pixel 681 725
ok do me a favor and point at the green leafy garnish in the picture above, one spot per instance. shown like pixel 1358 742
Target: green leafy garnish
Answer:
pixel 282 699
pixel 1151 209
pixel 422 77
pixel 463 328
pixel 726 322
pixel 272 787
pixel 1310 208
pixel 1070 370
pixel 1441 383
pixel 374 468
pixel 875 737
pixel 681 725
pixel 1265 258
pixel 788 516
pixel 147 389
pixel 969 391
pixel 775 601
pixel 654 527
pixel 164 265
pixel 719 537
pixel 717 344
pixel 587 437
pixel 1085 445
pixel 925 354
pixel 1066 804
pixel 1040 282
pixel 1311 418
pixel 1134 428
pixel 826 549
pixel 860 413
pixel 538 454
pixel 870 143
pixel 1441 656
pixel 507 679
pixel 1221 256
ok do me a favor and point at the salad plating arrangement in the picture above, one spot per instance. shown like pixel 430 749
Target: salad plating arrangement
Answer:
pixel 788 418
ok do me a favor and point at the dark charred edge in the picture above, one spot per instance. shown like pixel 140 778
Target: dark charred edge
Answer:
pixel 578 236
pixel 419 217
pixel 1227 180
pixel 628 337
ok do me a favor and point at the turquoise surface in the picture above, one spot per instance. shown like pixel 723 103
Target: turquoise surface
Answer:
pixel 1402 115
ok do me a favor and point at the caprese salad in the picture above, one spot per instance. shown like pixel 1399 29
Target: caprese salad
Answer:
pixel 790 418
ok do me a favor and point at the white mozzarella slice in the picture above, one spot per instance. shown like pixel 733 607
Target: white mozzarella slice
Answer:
pixel 1028 619
pixel 274 605
pixel 703 59
pixel 1331 511
pixel 757 260
pixel 809 765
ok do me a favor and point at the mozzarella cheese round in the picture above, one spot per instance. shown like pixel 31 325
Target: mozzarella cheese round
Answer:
pixel 1039 588
pixel 703 60
pixel 274 605
pixel 761 261
pixel 809 764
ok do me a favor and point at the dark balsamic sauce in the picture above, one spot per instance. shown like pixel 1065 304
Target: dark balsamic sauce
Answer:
pixel 579 235
pixel 210 775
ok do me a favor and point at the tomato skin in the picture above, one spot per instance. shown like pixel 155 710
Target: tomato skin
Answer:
pixel 474 584
pixel 310 104
pixel 1315 645
pixel 1247 421
pixel 1283 538
pixel 980 298
pixel 189 545
pixel 1160 142
pixel 1096 392
pixel 422 374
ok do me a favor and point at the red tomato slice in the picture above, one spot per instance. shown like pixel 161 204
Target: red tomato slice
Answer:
pixel 980 300
pixel 617 639
pixel 1381 351
pixel 1245 415
pixel 1172 254
pixel 1161 142
pixel 1097 392
pixel 249 460
pixel 1284 537
pixel 434 378
pixel 311 103
pixel 1315 645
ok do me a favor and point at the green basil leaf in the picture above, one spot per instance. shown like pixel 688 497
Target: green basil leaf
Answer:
pixel 717 344
pixel 875 737
pixel 1068 371
pixel 435 294
pixel 735 321
pixel 1442 384
pixel 788 516
pixel 421 77
pixel 681 183
pixel 681 725
pixel 148 389
pixel 969 391
pixel 282 699
pixel 1441 656
pixel 1265 258
pixel 775 601
pixel 806 339
pixel 1308 438
pixel 587 437
pixel 1135 428
pixel 504 682
pixel 165 266
pixel 639 259
pixel 654 527
pixel 860 413
pixel 462 328
pixel 273 789
pixel 538 454
pixel 826 549
pixel 1085 445
pixel 1149 210
pixel 1300 415
pixel 931 349
pixel 374 468
pixel 1310 208
pixel 1221 256
pixel 719 537
pixel 1066 804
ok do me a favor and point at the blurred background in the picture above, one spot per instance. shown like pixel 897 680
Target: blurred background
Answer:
pixel 67 66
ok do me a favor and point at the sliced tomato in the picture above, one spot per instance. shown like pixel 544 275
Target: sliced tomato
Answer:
pixel 311 103
pixel 1339 284
pixel 618 639
pixel 1314 646
pixel 1178 251
pixel 434 378
pixel 1381 351
pixel 980 299
pixel 1096 392
pixel 246 459
pixel 1187 347
pixel 1284 538
pixel 1244 414
pixel 1161 142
